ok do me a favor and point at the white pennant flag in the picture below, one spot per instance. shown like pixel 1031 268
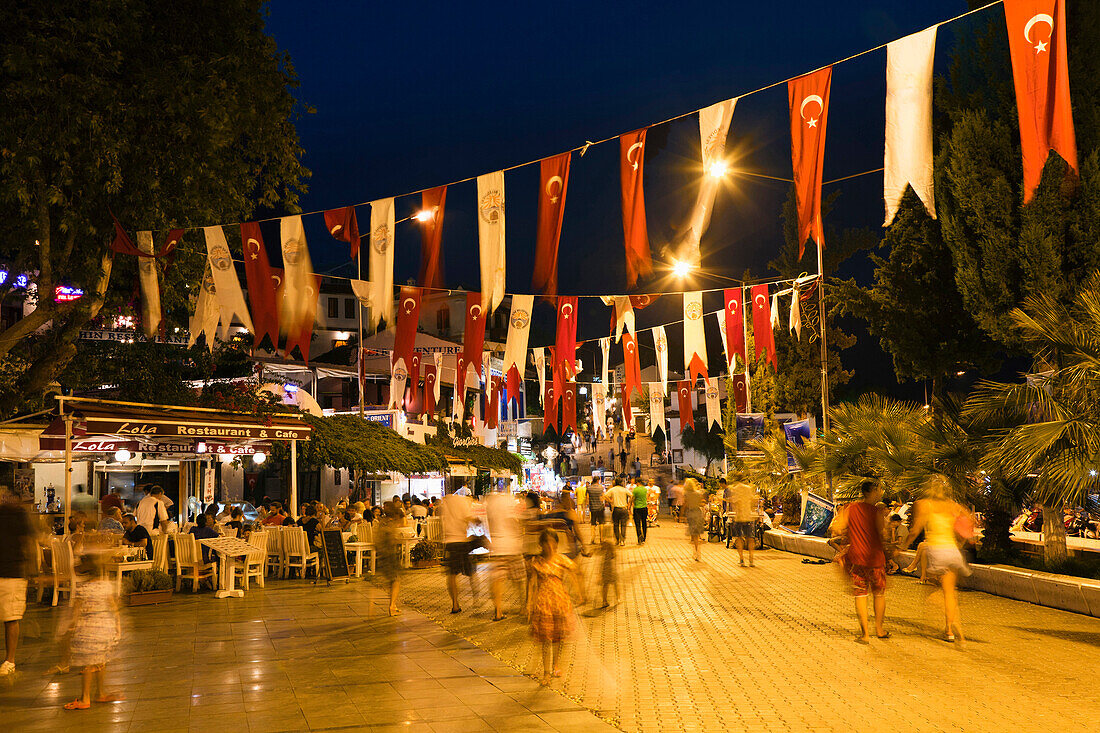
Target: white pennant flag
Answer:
pixel 624 313
pixel 437 359
pixel 599 398
pixel 458 404
pixel 660 345
pixel 226 284
pixel 539 357
pixel 399 377
pixel 695 341
pixel 298 281
pixel 909 64
pixel 714 405
pixel 150 285
pixel 714 125
pixel 490 231
pixel 380 262
pixel 796 314
pixel 361 289
pixel 605 349
pixel 205 319
pixel 775 311
pixel 519 328
pixel 656 407
pixel 721 315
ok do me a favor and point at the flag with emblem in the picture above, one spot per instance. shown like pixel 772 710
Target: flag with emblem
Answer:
pixel 474 336
pixel 553 182
pixel 636 235
pixel 908 159
pixel 380 262
pixel 683 401
pixel 714 404
pixel 538 358
pixel 695 341
pixel 605 350
pixel 762 334
pixel 809 106
pixel 152 314
pixel 794 323
pixel 301 336
pixel 660 347
pixel 432 203
pixel 714 125
pixel 515 347
pixel 227 286
pixel 204 321
pixel 656 407
pixel 1040 73
pixel 599 401
pixel 565 343
pixel 298 304
pixel 261 288
pixel 342 225
pixel 490 232
pixel 399 380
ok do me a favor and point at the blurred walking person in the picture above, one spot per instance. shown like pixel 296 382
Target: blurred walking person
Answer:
pixel 596 510
pixel 942 520
pixel 16 553
pixel 458 512
pixel 620 500
pixel 502 513
pixel 861 522
pixel 742 501
pixel 388 562
pixel 551 607
pixel 693 515
pixel 95 632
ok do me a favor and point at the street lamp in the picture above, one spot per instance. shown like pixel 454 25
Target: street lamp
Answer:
pixel 681 268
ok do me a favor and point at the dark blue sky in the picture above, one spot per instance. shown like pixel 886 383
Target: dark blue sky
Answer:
pixel 412 95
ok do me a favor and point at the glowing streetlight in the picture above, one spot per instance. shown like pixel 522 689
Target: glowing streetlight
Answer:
pixel 718 169
pixel 122 455
pixel 681 268
pixel 259 458
pixel 424 215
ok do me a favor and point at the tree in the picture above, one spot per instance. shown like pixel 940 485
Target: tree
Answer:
pixel 704 441
pixel 1049 432
pixel 137 109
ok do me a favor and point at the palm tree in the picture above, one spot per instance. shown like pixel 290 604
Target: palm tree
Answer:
pixel 1047 428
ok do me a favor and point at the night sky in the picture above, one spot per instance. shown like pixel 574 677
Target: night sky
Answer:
pixel 414 95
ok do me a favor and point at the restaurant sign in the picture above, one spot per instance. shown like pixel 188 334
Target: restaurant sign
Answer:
pixel 176 429
pixel 108 444
pixel 130 337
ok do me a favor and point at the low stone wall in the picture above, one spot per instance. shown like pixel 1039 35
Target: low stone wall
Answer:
pixel 1065 592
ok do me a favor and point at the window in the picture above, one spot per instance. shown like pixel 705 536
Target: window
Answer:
pixel 349 308
pixel 333 307
pixel 443 319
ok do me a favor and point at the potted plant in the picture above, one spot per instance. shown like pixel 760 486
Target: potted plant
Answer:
pixel 144 587
pixel 424 554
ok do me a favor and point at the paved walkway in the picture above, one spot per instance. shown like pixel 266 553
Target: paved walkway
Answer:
pixel 291 657
pixel 712 646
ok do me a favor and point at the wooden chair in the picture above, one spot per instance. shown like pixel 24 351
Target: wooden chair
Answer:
pixel 64 573
pixel 160 552
pixel 255 564
pixel 297 552
pixel 189 564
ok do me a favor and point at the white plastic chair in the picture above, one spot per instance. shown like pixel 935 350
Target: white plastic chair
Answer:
pixel 297 552
pixel 255 564
pixel 64 574
pixel 189 564
pixel 433 529
pixel 160 552
pixel 276 560
pixel 43 578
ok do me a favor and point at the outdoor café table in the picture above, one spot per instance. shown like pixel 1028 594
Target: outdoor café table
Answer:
pixel 228 549
pixel 359 548
pixel 406 538
pixel 125 560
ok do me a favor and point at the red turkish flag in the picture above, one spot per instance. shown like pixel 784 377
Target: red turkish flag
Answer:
pixel 492 408
pixel 740 392
pixel 342 225
pixel 550 405
pixel 414 381
pixel 474 337
pixel 735 326
pixel 304 335
pixel 1040 72
pixel 809 103
pixel 632 380
pixel 553 182
pixel 683 396
pixel 566 342
pixel 515 381
pixel 762 324
pixel 429 388
pixel 569 406
pixel 261 286
pixel 431 238
pixel 408 317
pixel 636 235
pixel 628 414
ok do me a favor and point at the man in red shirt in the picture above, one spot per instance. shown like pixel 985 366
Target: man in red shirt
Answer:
pixel 861 522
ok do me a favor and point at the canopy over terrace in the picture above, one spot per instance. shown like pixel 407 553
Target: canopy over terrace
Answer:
pixel 105 426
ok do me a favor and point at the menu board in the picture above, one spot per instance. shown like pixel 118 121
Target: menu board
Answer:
pixel 333 554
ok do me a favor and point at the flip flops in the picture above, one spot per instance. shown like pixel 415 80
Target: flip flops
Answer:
pixel 77 705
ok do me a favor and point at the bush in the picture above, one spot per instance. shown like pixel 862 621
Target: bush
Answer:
pixel 423 550
pixel 141 581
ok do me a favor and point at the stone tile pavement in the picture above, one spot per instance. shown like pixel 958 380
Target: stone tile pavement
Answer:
pixel 291 657
pixel 712 646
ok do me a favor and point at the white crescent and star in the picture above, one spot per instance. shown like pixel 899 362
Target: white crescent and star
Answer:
pixel 761 301
pixel 409 304
pixel 253 248
pixel 566 310
pixel 1039 18
pixel 732 305
pixel 812 122
pixel 475 311
pixel 636 146
pixel 550 188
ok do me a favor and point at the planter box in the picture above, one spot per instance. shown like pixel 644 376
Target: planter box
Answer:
pixel 424 563
pixel 149 597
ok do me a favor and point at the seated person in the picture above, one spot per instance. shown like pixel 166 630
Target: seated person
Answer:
pixel 1034 521
pixel 277 514
pixel 112 521
pixel 136 535
pixel 236 522
pixel 309 523
pixel 202 531
pixel 419 511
